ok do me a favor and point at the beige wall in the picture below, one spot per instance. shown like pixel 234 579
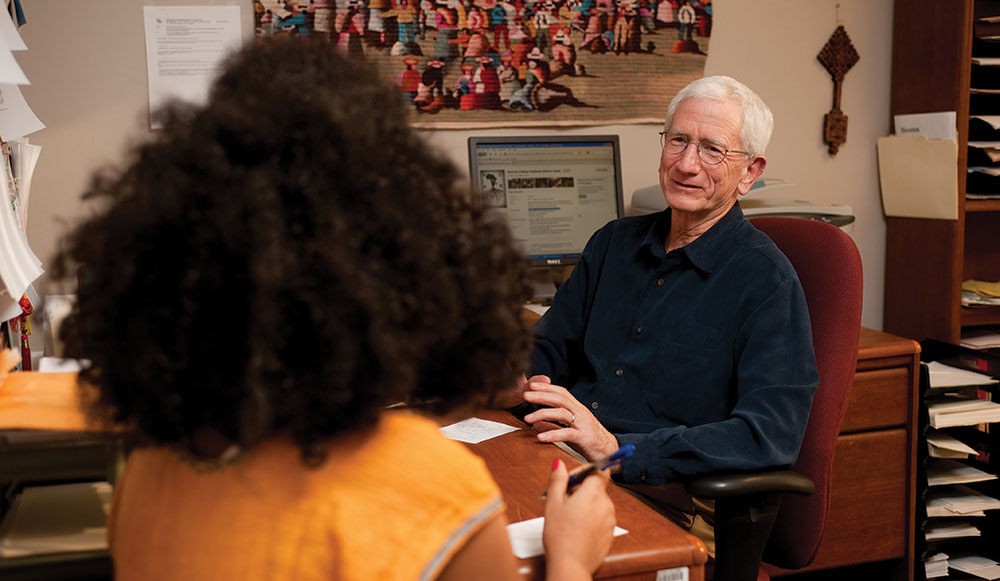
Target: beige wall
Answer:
pixel 86 62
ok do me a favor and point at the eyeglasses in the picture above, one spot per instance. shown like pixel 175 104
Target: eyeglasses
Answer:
pixel 710 152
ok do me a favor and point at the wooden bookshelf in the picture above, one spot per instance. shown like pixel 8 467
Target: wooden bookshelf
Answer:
pixel 927 260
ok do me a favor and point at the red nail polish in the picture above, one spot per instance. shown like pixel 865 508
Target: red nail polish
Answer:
pixel 555 464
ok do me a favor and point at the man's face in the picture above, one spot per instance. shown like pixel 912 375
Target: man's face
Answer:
pixel 697 188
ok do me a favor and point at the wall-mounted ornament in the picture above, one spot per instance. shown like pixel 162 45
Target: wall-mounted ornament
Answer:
pixel 837 57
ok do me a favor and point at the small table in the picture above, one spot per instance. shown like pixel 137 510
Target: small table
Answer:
pixel 520 464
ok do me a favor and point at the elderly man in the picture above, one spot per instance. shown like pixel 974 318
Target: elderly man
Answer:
pixel 684 333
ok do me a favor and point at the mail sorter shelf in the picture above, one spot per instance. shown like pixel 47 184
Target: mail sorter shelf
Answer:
pixel 982 438
pixel 934 42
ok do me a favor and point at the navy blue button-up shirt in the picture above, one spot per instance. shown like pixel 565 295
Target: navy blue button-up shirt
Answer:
pixel 702 357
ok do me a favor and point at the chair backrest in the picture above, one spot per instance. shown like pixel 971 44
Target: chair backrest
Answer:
pixel 829 268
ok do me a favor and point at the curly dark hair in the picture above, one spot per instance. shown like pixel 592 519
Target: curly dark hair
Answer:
pixel 291 256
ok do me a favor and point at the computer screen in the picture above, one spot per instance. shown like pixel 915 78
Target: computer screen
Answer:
pixel 554 191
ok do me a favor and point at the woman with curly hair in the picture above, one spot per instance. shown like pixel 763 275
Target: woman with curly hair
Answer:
pixel 262 281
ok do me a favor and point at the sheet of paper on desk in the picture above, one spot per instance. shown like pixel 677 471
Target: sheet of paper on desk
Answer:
pixel 59 365
pixel 475 430
pixel 526 537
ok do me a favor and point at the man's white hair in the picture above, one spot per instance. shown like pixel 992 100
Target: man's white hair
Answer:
pixel 758 122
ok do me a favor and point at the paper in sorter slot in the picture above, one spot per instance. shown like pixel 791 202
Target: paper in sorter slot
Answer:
pixel 976 565
pixel 950 530
pixel 954 472
pixel 943 375
pixel 949 412
pixel 941 445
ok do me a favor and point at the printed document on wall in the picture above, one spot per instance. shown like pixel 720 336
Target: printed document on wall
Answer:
pixel 185 46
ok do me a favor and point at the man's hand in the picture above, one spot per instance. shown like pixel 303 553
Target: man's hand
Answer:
pixel 566 420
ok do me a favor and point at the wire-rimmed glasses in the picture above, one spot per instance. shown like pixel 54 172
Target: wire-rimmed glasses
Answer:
pixel 710 152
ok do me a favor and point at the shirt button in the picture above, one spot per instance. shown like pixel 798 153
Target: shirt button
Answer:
pixel 659 282
pixel 619 372
pixel 594 405
pixel 639 330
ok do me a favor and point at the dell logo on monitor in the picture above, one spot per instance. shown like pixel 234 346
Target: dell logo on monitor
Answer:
pixel 553 261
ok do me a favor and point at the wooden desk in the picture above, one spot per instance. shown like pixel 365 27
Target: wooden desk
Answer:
pixel 520 465
pixel 872 493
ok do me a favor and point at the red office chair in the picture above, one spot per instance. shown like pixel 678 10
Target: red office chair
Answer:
pixel 748 523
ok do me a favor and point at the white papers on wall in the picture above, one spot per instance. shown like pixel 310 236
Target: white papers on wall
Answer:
pixel 16 117
pixel 10 36
pixel 185 46
pixel 23 158
pixel 19 266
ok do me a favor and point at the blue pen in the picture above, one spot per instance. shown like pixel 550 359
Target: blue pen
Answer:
pixel 623 454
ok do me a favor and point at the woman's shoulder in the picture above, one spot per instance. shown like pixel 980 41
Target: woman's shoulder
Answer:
pixel 408 439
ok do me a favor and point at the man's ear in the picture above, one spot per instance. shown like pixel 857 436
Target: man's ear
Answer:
pixel 751 174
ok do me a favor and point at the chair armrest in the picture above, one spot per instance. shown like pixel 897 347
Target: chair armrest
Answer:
pixel 746 506
pixel 716 486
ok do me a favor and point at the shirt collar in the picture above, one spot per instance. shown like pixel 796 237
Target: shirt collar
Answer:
pixel 704 250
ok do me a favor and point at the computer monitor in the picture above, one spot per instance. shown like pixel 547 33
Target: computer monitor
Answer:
pixel 554 191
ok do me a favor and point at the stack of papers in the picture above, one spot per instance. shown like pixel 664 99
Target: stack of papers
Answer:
pixel 959 501
pixel 941 472
pixel 950 530
pixel 981 338
pixel 978 292
pixel 958 411
pixel 975 565
pixel 936 565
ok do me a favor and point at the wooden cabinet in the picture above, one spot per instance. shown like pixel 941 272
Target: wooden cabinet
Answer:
pixel 927 260
pixel 872 496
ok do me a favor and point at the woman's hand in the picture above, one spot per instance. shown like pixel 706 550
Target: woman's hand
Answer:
pixel 578 526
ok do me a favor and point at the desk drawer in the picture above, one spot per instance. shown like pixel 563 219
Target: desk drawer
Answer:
pixel 878 398
pixel 867 520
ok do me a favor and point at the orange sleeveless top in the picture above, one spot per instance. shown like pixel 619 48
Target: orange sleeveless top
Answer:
pixel 398 506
